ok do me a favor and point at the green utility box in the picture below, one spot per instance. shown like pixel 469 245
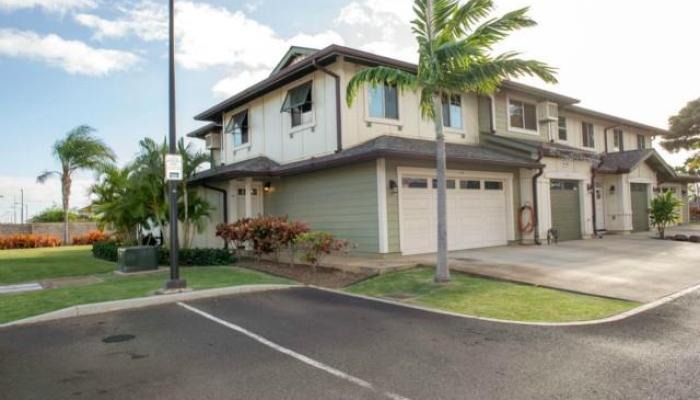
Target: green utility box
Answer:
pixel 137 258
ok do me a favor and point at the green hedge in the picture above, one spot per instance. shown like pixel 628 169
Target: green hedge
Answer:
pixel 188 257
pixel 105 250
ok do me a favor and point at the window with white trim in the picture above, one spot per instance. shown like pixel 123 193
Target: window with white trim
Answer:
pixel 587 135
pixel 641 142
pixel 237 126
pixel 299 104
pixel 384 102
pixel 452 111
pixel 618 140
pixel 522 115
pixel 563 135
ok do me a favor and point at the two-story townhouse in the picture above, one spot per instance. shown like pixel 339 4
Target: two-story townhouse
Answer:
pixel 291 145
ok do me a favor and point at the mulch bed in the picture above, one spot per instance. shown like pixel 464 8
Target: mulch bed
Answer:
pixel 323 276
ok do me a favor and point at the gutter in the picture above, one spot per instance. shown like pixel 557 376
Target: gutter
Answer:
pixel 535 207
pixel 338 122
pixel 225 204
pixel 594 216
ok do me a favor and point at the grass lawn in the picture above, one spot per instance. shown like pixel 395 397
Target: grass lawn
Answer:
pixel 30 265
pixel 489 298
pixel 22 305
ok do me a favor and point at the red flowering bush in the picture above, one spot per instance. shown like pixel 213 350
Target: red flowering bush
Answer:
pixel 317 245
pixel 266 235
pixel 90 237
pixel 28 241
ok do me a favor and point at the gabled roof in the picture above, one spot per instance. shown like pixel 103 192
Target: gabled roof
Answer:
pixel 626 161
pixel 287 72
pixel 205 130
pixel 291 55
pixel 382 146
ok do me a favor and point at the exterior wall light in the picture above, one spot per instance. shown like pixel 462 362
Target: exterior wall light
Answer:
pixel 267 187
pixel 612 189
pixel 393 186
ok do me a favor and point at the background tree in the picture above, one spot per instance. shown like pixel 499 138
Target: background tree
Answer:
pixel 79 150
pixel 194 209
pixel 454 56
pixel 56 214
pixel 684 130
pixel 118 203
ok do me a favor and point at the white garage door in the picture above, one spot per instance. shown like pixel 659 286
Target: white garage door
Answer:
pixel 476 213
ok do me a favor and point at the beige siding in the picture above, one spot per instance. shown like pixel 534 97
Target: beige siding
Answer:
pixel 206 238
pixel 502 125
pixel 342 201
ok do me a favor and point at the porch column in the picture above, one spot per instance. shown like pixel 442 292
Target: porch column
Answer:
pixel 248 197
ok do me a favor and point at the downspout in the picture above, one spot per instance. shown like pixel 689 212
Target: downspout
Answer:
pixel 535 207
pixel 594 216
pixel 338 122
pixel 225 204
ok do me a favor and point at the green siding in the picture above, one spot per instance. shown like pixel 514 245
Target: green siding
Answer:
pixel 484 114
pixel 342 201
pixel 392 203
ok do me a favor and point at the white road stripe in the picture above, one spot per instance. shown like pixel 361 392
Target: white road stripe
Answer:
pixel 291 353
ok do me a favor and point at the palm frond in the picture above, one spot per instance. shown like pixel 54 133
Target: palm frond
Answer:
pixel 465 17
pixel 44 176
pixel 497 29
pixel 377 76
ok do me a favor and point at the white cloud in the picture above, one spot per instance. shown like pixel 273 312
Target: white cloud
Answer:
pixel 48 5
pixel 73 56
pixel 147 20
pixel 39 196
pixel 237 82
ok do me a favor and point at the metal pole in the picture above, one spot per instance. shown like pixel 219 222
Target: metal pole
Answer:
pixel 21 202
pixel 175 282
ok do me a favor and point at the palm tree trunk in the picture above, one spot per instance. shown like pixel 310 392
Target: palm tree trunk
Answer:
pixel 442 271
pixel 65 197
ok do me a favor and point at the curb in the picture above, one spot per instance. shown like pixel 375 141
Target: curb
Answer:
pixel 140 302
pixel 618 317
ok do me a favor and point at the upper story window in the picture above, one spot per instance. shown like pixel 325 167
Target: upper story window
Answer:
pixel 522 115
pixel 384 102
pixel 298 103
pixel 452 111
pixel 618 140
pixel 588 135
pixel 563 135
pixel 238 127
pixel 641 142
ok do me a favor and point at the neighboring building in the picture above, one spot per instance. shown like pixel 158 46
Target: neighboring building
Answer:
pixel 290 145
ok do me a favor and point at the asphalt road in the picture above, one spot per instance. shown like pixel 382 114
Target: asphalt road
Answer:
pixel 308 344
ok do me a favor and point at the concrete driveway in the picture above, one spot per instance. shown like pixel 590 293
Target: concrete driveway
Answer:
pixel 633 267
pixel 307 344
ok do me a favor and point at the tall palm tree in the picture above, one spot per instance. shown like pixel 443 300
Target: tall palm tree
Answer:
pixel 454 55
pixel 79 150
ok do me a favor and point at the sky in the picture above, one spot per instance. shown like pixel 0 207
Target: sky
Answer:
pixel 103 63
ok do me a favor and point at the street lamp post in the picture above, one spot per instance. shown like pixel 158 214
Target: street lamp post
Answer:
pixel 174 282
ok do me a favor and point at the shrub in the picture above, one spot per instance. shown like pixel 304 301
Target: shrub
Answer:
pixel 198 257
pixel 28 241
pixel 106 250
pixel 90 238
pixel 317 245
pixel 664 211
pixel 266 235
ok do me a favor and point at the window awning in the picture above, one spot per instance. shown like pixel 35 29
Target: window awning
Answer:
pixel 296 97
pixel 239 120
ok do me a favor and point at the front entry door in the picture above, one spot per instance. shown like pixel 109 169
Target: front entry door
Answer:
pixel 256 203
pixel 599 207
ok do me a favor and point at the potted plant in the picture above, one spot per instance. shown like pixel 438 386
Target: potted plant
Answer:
pixel 664 211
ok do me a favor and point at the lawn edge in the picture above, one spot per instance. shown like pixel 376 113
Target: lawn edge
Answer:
pixel 140 302
pixel 613 318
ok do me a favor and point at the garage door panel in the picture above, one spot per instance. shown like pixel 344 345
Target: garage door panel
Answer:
pixel 476 216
